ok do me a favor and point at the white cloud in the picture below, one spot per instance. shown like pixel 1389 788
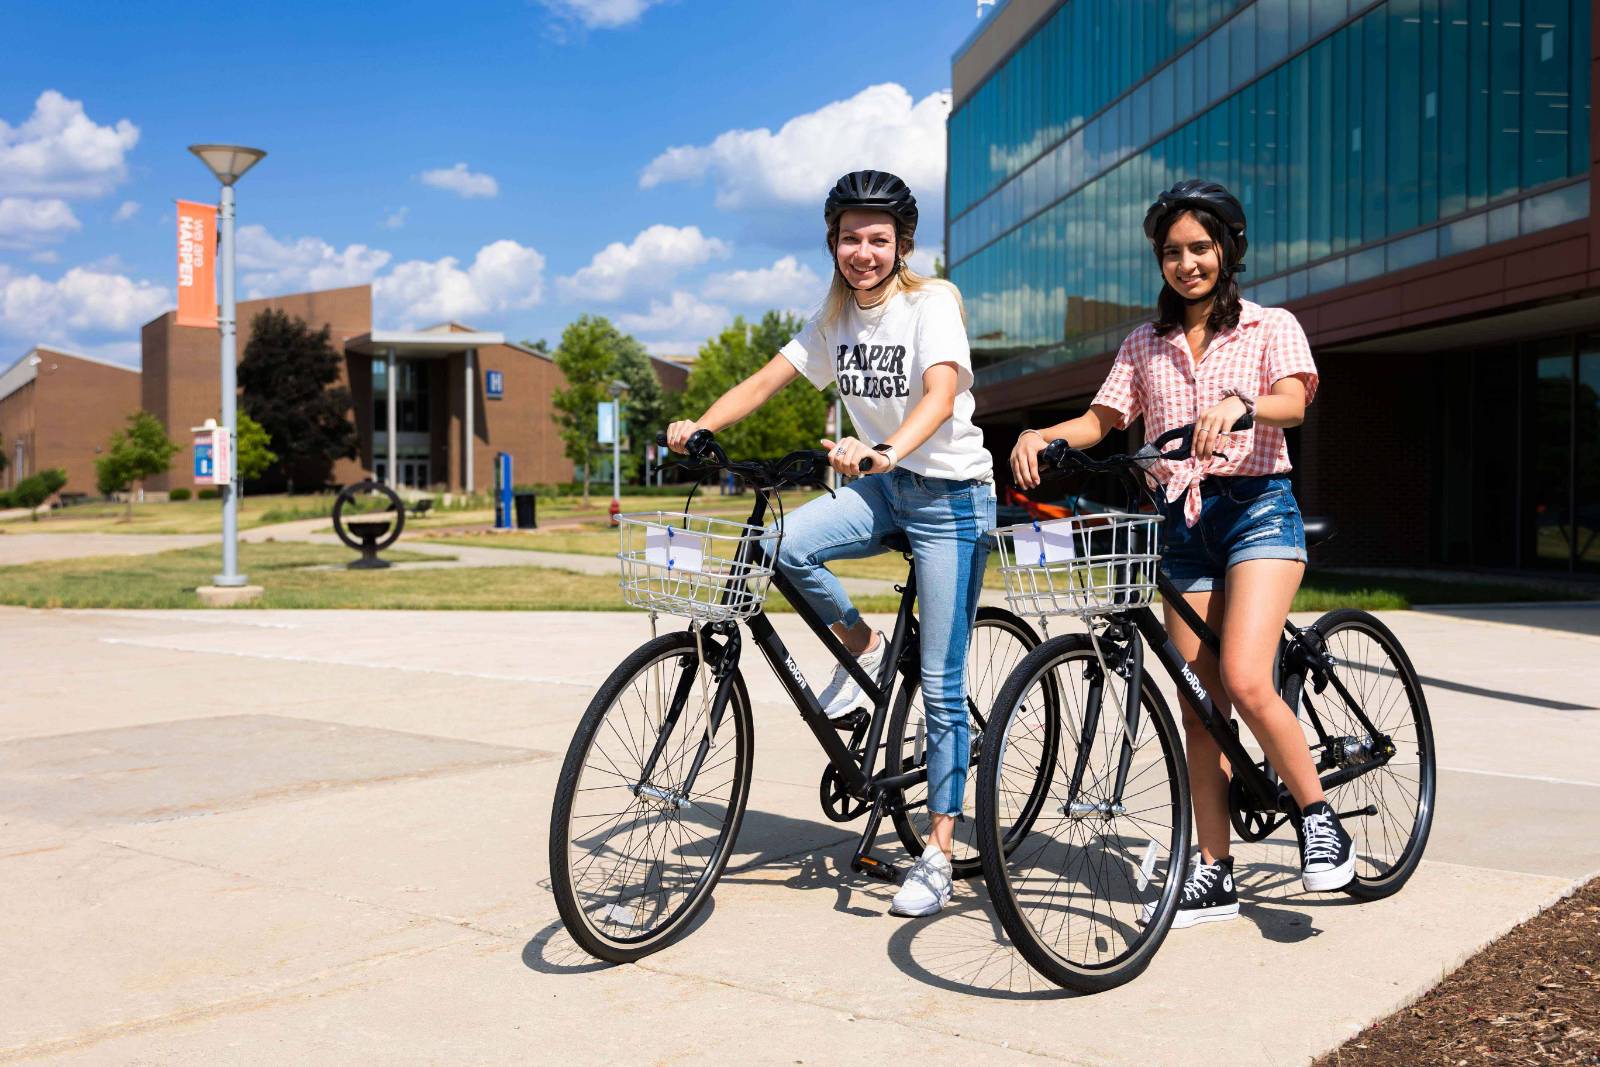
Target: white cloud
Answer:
pixel 921 260
pixel 656 256
pixel 503 276
pixel 602 14
pixel 126 211
pixel 880 127
pixel 461 181
pixel 787 283
pixel 26 223
pixel 47 256
pixel 59 151
pixel 269 267
pixel 396 219
pixel 684 315
pixel 81 300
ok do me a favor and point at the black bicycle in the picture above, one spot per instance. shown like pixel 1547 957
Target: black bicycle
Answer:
pixel 1090 893
pixel 650 798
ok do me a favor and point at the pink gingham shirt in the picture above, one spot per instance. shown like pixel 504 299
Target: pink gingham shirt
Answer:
pixel 1156 377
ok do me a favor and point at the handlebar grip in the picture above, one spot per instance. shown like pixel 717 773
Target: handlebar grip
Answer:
pixel 661 439
pixel 1246 421
pixel 1053 453
pixel 866 465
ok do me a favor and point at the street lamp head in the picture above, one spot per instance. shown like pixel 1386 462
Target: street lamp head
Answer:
pixel 618 388
pixel 227 161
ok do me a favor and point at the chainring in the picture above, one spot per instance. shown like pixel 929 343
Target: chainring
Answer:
pixel 1250 822
pixel 837 804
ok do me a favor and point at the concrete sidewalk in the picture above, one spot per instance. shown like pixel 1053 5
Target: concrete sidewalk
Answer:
pixel 319 838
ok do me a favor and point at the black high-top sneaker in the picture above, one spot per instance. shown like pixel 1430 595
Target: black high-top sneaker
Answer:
pixel 1327 860
pixel 1208 895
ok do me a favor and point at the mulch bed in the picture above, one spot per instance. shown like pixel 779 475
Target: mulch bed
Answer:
pixel 1532 997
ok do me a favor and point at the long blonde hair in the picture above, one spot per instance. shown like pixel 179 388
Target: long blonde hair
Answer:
pixel 903 280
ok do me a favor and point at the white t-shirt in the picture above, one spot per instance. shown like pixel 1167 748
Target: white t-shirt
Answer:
pixel 878 356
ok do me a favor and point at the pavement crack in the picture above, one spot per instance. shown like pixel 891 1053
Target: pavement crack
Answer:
pixel 447 920
pixel 854 1012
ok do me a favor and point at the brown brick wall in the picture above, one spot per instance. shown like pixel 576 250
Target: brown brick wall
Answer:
pixel 520 424
pixel 182 374
pixel 17 424
pixel 74 406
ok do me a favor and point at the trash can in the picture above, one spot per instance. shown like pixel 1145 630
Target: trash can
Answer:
pixel 526 516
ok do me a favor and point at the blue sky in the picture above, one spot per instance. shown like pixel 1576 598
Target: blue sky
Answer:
pixel 509 164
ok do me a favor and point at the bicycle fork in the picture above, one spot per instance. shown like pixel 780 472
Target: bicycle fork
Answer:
pixel 1127 662
pixel 722 672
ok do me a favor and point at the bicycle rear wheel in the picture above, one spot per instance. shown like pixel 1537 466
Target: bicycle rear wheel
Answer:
pixel 999 642
pixel 1088 894
pixel 1387 810
pixel 633 858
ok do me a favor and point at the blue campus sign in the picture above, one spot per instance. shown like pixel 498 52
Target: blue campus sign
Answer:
pixel 494 384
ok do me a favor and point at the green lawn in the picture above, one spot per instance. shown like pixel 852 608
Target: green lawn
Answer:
pixel 168 580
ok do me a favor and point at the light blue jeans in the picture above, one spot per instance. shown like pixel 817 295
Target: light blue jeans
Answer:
pixel 947 524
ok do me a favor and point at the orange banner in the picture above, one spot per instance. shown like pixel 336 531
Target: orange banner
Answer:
pixel 197 273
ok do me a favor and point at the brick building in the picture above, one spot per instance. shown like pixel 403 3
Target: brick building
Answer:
pixel 1421 185
pixel 456 396
pixel 59 409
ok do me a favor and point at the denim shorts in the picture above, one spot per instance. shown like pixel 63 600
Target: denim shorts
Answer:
pixel 1240 519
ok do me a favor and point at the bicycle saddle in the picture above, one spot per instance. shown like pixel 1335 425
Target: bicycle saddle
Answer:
pixel 1318 530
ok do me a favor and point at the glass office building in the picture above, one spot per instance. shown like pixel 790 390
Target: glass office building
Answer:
pixel 1379 149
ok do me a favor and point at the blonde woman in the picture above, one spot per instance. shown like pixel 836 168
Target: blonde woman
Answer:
pixel 895 344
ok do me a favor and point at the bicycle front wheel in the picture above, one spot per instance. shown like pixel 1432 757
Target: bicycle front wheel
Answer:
pixel 636 846
pixel 1088 894
pixel 1388 809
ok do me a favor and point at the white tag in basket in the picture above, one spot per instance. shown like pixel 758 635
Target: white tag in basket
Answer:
pixel 677 550
pixel 1038 543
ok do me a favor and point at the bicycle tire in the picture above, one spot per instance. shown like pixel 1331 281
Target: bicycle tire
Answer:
pixel 1008 874
pixel 911 816
pixel 1382 867
pixel 590 919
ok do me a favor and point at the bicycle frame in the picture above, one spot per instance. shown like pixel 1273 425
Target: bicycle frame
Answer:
pixel 1301 655
pixel 856 775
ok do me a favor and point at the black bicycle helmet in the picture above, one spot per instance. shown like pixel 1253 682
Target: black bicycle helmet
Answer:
pixel 872 190
pixel 1209 196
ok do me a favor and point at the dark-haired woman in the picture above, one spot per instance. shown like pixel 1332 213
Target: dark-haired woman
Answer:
pixel 1235 544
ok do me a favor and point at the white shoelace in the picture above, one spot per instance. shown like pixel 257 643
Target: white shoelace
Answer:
pixel 1200 880
pixel 923 871
pixel 1322 840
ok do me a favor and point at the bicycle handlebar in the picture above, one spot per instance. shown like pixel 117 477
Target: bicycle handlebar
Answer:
pixel 1058 455
pixel 796 468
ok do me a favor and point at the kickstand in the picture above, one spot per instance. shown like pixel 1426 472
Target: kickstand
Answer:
pixel 863 862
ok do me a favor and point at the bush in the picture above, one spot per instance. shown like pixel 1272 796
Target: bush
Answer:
pixel 179 494
pixel 5 499
pixel 209 494
pixel 37 488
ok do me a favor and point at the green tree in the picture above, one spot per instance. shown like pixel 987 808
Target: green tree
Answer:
pixel 644 408
pixel 140 451
pixel 255 449
pixel 593 354
pixel 37 488
pixel 939 270
pixel 795 417
pixel 289 378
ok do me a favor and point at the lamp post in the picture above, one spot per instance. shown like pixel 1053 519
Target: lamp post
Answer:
pixel 229 163
pixel 616 389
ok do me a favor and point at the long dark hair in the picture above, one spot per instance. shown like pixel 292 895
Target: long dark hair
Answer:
pixel 1225 308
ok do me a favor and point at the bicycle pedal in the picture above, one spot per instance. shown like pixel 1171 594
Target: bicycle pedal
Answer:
pixel 875 868
pixel 856 720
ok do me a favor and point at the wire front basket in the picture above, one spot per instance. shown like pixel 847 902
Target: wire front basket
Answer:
pixel 1083 565
pixel 701 568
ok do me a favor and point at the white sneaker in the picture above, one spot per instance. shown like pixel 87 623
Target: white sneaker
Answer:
pixel 927 886
pixel 843 694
